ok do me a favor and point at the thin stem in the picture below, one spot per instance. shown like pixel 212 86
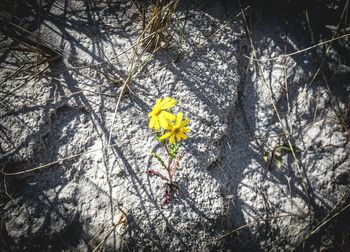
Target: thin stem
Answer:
pixel 169 170
pixel 166 148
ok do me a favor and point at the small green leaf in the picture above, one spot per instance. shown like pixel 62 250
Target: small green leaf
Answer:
pixel 160 160
pixel 279 161
pixel 159 134
pixel 297 149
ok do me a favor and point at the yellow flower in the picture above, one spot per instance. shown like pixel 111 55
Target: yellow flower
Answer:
pixel 160 117
pixel 178 130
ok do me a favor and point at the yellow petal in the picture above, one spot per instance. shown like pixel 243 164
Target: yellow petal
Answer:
pixel 186 130
pixel 179 119
pixel 151 123
pixel 171 139
pixel 184 136
pixel 163 122
pixel 167 102
pixel 185 122
pixel 178 137
pixel 166 135
pixel 168 116
pixel 164 100
pixel 156 123
pixel 150 114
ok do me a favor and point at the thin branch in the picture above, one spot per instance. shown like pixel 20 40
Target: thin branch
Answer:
pixel 299 51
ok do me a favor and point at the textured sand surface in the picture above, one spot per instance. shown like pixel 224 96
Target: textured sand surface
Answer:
pixel 68 114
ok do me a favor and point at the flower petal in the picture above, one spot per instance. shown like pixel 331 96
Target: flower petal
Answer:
pixel 166 135
pixel 184 136
pixel 167 102
pixel 178 136
pixel 156 123
pixel 163 121
pixel 168 116
pixel 179 119
pixel 186 130
pixel 151 123
pixel 185 122
pixel 171 139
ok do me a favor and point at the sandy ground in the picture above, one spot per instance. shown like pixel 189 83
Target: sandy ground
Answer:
pixel 90 151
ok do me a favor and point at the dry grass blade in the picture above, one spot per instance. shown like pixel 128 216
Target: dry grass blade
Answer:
pixel 2 171
pixel 44 46
pixel 51 163
pixel 202 43
pixel 330 216
pixel 7 193
pixel 158 25
pixel 23 84
pixel 338 109
pixel 256 222
pixel 123 220
pixel 12 74
pixel 329 45
pixel 122 90
pixel 299 51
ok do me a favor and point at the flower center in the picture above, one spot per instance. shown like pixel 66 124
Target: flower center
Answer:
pixel 176 130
